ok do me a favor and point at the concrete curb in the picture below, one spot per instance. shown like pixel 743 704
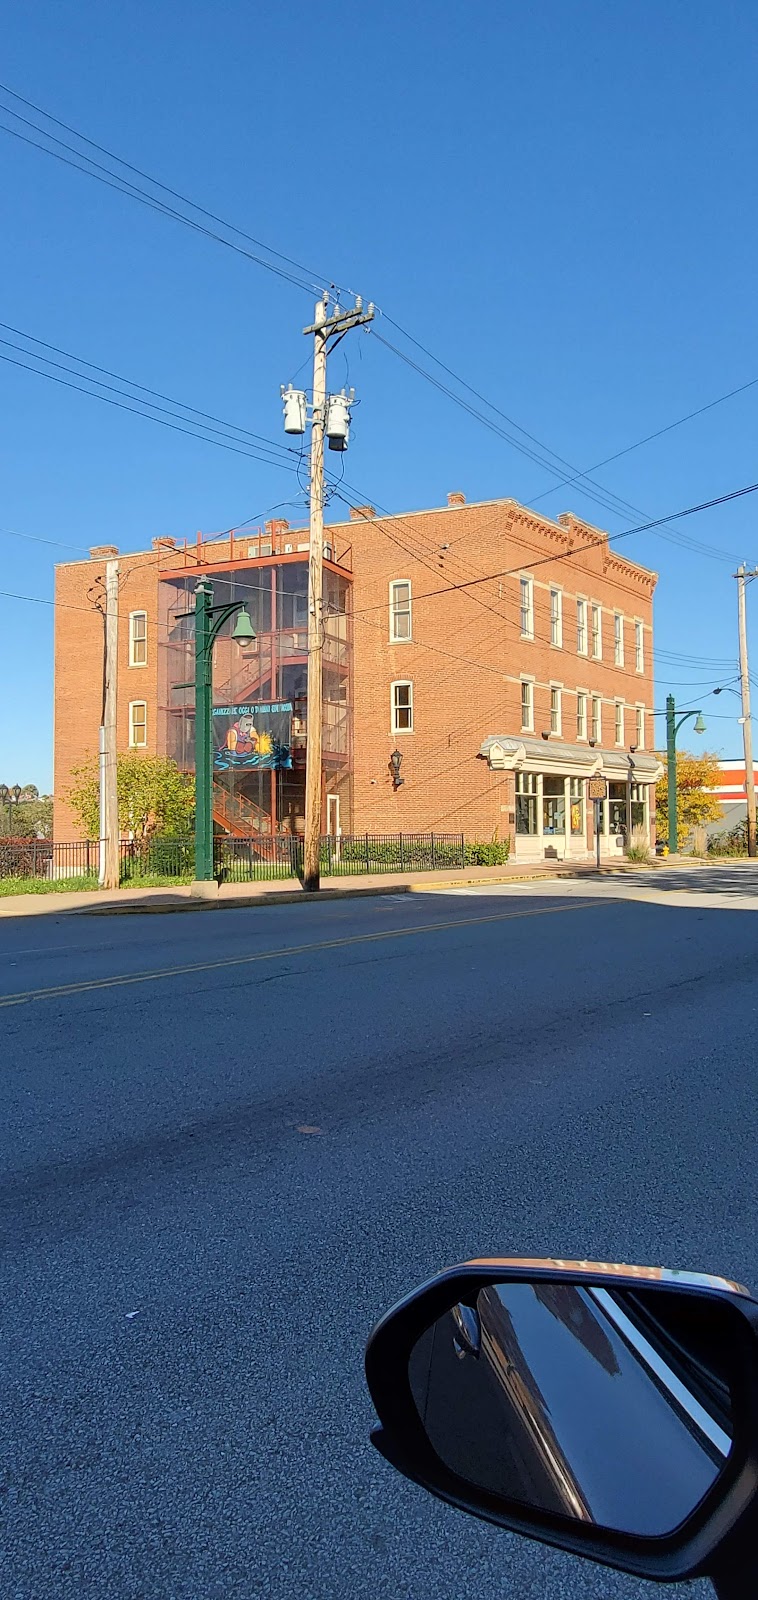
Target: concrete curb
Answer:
pixel 428 883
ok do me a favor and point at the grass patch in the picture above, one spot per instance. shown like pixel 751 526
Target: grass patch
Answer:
pixel 147 880
pixel 47 885
pixel 155 880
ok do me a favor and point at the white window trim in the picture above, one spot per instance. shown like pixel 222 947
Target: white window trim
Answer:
pixel 400 683
pixel 393 636
pixel 528 632
pixel 583 694
pixel 618 705
pixel 596 700
pixel 618 641
pixel 134 744
pixel 639 726
pixel 141 612
pixel 639 645
pixel 597 655
pixel 527 727
pixel 557 643
pixel 556 733
pixel 581 605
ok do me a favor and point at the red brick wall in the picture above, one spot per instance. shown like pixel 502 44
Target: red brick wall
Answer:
pixel 79 667
pixel 464 660
pixel 467 655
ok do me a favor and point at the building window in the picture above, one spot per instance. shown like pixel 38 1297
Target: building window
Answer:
pixel 618 639
pixel 400 611
pixel 597 634
pixel 576 804
pixel 640 727
pixel 402 708
pixel 619 722
pixel 137 723
pixel 526 802
pixel 637 805
pixel 527 705
pixel 581 716
pixel 617 821
pixel 138 638
pixel 556 618
pixel 555 709
pixel 553 805
pixel 597 719
pixel 527 608
pixel 639 648
pixel 581 627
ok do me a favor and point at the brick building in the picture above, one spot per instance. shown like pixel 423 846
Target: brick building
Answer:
pixel 502 695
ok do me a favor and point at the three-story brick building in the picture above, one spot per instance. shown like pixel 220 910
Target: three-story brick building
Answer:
pixel 491 658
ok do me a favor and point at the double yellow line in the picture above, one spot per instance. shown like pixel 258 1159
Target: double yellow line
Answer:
pixel 123 979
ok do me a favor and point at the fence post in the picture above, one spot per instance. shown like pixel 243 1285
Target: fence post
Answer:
pixel 433 860
pixel 463 850
pixel 402 861
pixel 368 866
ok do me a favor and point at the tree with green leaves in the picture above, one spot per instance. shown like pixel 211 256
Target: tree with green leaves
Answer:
pixel 155 799
pixel 696 777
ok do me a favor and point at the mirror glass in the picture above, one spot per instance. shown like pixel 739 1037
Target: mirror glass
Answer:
pixel 612 1406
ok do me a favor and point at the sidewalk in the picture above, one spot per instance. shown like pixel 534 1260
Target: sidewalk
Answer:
pixel 285 891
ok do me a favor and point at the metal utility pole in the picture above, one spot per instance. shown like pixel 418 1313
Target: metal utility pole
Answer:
pixel 209 620
pixel 743 576
pixel 672 729
pixel 110 865
pixel 323 329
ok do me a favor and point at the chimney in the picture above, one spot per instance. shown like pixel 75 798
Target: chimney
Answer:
pixel 103 552
pixel 362 513
pixel 277 526
pixel 455 498
pixel 164 543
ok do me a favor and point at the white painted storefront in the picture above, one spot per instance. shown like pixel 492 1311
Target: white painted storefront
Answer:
pixel 554 818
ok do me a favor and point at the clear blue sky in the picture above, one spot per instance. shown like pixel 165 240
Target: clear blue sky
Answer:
pixel 557 199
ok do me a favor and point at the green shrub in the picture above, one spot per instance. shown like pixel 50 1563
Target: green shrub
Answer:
pixel 731 843
pixel 494 854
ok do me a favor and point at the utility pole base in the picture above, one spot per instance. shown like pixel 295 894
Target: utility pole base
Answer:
pixel 204 889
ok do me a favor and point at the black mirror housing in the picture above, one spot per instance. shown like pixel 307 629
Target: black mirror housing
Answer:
pixel 700 1544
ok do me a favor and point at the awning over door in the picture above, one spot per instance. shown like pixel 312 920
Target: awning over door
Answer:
pixel 506 753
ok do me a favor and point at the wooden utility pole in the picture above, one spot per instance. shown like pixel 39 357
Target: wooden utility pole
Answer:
pixel 742 577
pixel 323 328
pixel 110 865
pixel 311 861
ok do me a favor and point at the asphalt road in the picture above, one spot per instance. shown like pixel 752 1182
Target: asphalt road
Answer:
pixel 214 1180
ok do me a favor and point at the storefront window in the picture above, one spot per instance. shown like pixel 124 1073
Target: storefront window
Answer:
pixel 637 806
pixel 577 808
pixel 526 802
pixel 553 805
pixel 617 822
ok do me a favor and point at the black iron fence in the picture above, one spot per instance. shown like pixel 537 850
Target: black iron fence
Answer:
pixel 281 855
pixel 238 860
pixel 80 859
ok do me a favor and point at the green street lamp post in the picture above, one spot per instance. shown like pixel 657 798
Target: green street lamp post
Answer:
pixel 673 724
pixel 209 620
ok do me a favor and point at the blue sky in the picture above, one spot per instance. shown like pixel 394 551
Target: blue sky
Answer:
pixel 558 200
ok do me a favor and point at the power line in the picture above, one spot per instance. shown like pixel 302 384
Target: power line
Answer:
pixel 148 416
pixel 315 278
pixel 112 180
pixel 605 498
pixel 35 538
pixel 614 538
pixel 81 361
pixel 606 461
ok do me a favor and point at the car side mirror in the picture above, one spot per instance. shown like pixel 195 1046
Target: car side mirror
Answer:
pixel 609 1410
